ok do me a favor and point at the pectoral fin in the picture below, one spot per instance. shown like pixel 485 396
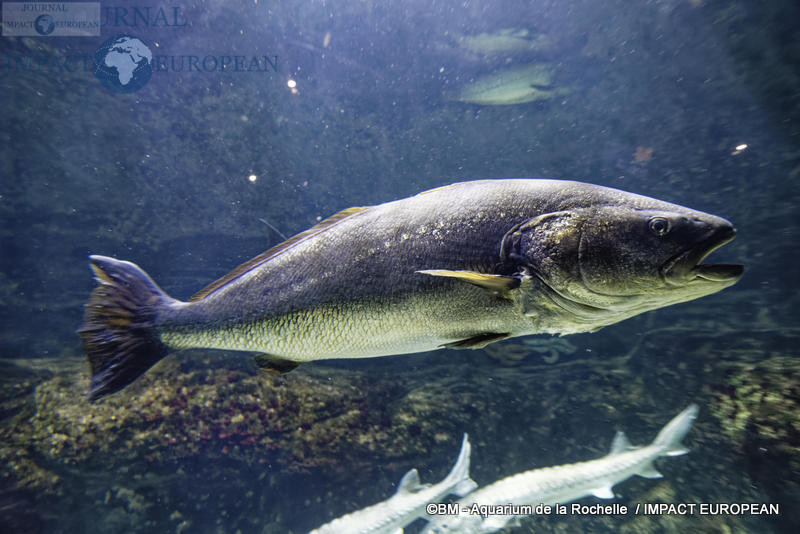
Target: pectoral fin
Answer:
pixel 476 342
pixel 494 283
pixel 274 365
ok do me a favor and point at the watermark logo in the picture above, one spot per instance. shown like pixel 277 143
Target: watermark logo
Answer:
pixel 44 24
pixel 123 64
pixel 63 19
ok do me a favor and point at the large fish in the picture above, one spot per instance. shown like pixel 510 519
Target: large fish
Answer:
pixel 459 266
pixel 409 503
pixel 562 484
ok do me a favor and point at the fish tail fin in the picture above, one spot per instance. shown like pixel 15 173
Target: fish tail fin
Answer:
pixel 118 331
pixel 458 479
pixel 669 439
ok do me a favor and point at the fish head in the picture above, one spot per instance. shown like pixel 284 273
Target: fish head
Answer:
pixel 657 252
pixel 605 263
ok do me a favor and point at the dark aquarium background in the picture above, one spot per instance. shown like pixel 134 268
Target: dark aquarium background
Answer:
pixel 696 102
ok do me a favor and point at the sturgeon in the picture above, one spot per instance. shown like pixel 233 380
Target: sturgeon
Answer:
pixel 408 504
pixel 562 484
pixel 460 266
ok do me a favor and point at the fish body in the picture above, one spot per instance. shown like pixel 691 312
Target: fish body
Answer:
pixel 459 266
pixel 506 41
pixel 391 515
pixel 565 483
pixel 516 85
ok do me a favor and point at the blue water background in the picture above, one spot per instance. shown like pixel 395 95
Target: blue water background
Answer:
pixel 176 177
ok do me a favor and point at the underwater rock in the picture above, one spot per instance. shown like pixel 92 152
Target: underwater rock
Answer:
pixel 210 440
pixel 756 405
pixel 324 420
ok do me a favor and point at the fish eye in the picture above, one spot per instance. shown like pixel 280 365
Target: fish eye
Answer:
pixel 659 226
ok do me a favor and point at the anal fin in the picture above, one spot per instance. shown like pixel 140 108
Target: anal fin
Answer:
pixel 274 365
pixel 476 342
pixel 603 492
pixel 649 471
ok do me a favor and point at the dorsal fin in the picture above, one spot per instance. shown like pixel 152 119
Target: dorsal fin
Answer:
pixel 435 189
pixel 277 249
pixel 620 444
pixel 410 482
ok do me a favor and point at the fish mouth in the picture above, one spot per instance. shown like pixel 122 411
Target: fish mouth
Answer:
pixel 686 267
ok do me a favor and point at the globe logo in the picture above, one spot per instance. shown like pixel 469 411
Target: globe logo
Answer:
pixel 123 64
pixel 44 24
